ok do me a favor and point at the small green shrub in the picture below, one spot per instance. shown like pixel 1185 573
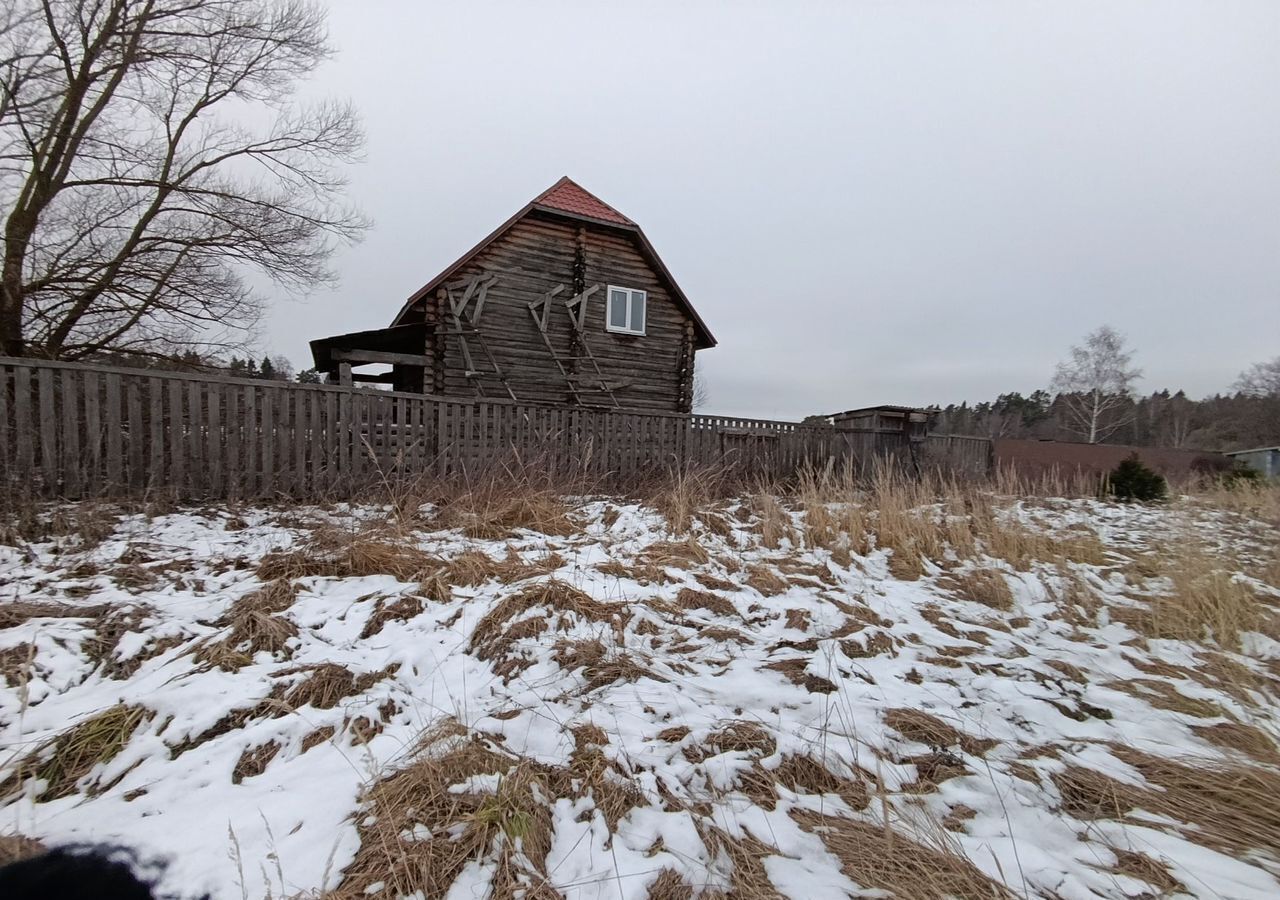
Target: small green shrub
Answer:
pixel 1134 480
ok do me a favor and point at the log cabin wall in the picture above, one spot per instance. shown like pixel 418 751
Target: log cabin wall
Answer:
pixel 536 255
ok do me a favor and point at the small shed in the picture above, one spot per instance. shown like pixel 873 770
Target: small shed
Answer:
pixel 1263 459
pixel 909 420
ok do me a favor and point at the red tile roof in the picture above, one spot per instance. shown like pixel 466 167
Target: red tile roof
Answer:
pixel 569 197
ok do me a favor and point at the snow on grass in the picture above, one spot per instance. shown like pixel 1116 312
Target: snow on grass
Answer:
pixel 761 702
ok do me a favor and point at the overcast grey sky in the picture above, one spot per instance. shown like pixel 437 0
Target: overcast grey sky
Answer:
pixel 868 202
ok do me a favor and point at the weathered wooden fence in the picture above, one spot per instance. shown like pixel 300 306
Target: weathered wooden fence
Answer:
pixel 73 430
pixel 959 455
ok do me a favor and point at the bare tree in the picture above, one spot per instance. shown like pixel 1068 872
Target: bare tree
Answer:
pixel 1094 384
pixel 1260 380
pixel 701 393
pixel 152 156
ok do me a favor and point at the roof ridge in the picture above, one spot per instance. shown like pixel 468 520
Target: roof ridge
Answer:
pixel 566 195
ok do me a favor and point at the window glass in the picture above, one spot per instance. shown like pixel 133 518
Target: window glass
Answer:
pixel 617 309
pixel 637 311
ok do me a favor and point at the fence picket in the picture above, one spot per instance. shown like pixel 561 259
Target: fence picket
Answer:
pixel 48 428
pixel 6 430
pixel 136 434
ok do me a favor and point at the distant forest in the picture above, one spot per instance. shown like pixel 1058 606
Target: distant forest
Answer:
pixel 1236 421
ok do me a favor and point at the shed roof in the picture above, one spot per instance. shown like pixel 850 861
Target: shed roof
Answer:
pixel 568 199
pixel 886 408
pixel 397 339
pixel 1254 450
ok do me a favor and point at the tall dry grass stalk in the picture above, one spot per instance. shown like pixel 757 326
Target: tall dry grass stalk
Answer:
pixel 1203 600
pixel 1258 500
pixel 774 519
pixel 933 518
pixel 496 502
pixel 684 493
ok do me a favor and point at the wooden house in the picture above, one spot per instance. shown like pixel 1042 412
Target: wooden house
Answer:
pixel 565 302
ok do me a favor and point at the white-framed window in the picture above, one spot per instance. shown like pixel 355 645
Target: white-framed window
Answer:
pixel 625 313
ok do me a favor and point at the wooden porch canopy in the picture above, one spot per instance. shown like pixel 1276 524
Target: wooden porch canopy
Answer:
pixel 398 346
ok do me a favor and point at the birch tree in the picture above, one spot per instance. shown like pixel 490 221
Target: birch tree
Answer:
pixel 1094 384
pixel 153 160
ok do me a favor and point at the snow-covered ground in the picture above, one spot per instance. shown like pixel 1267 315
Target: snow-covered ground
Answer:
pixel 753 708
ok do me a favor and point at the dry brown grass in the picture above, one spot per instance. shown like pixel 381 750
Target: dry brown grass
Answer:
pixel 87 522
pixel 923 728
pixel 1017 544
pixel 254 761
pixel 423 828
pixel 806 775
pixel 601 665
pixel 325 686
pixel 472 568
pixel 256 626
pixel 333 552
pixel 1229 806
pixel 773 520
pixel 874 643
pixel 1164 695
pixel 670 885
pixel 822 524
pixel 798 619
pixel 63 761
pixel 986 586
pixel 495 509
pixel 1247 739
pixel 1259 501
pixel 684 495
pixel 673 735
pixel 16 663
pixel 714 582
pixel 1136 864
pixel 740 736
pixel 429 820
pixel 676 554
pixel 18 612
pixel 271 706
pixel 765 580
pixel 318 736
pixel 748 878
pixel 613 792
pixel 1204 602
pixel 506 624
pixel 689 599
pixel 399 610
pixel 878 856
pixel 796 670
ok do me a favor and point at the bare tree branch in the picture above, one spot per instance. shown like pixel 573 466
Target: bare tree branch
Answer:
pixel 1260 380
pixel 133 212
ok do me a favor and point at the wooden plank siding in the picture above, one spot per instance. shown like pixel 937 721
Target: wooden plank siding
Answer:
pixel 534 257
pixel 70 430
